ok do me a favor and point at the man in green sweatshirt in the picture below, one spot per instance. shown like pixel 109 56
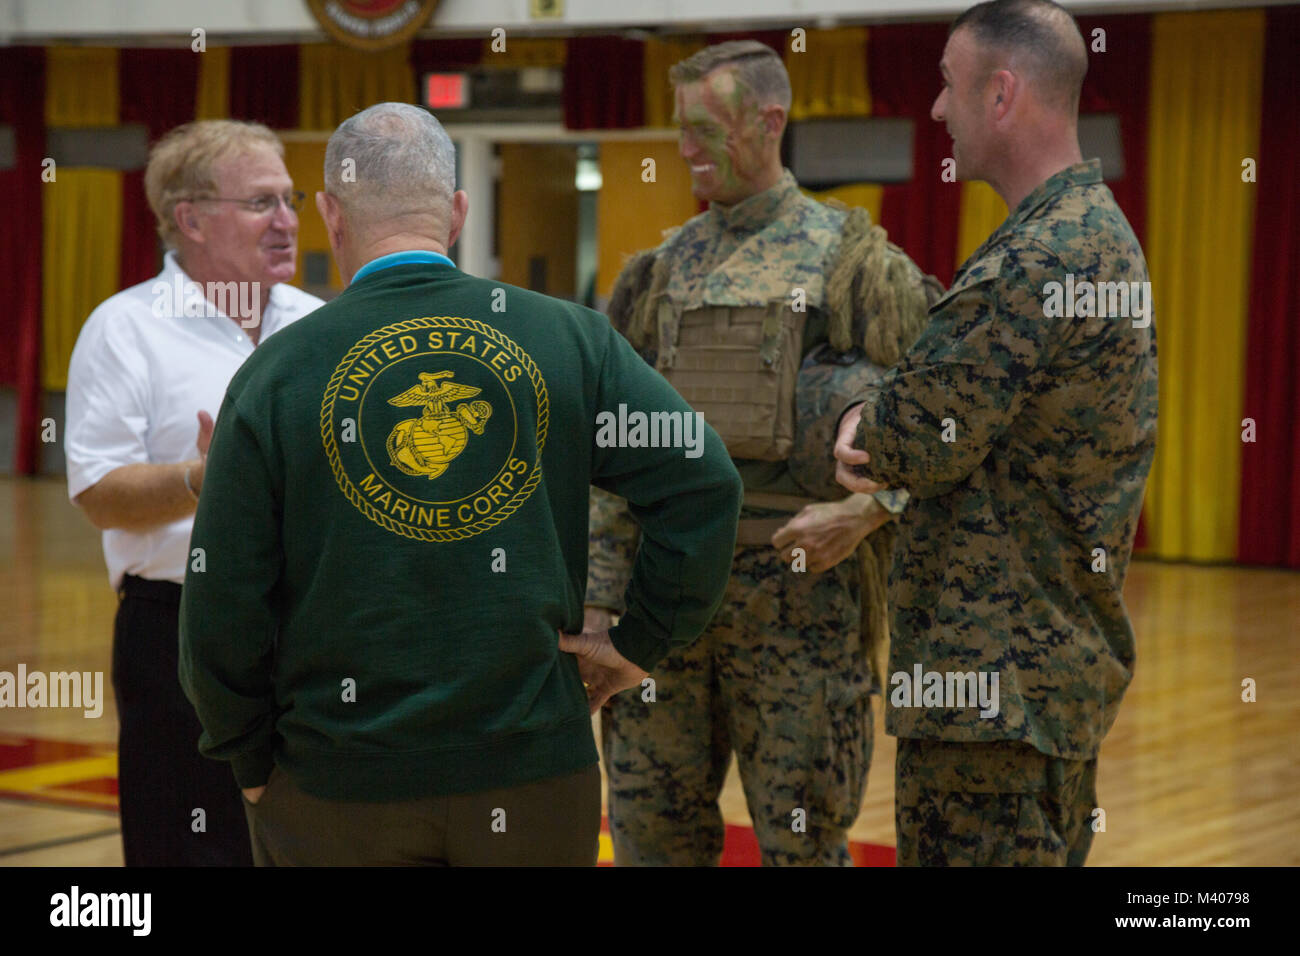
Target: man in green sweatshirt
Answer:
pixel 389 560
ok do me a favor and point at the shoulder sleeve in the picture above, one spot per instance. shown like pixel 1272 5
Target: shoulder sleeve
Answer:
pixel 931 420
pixel 107 417
pixel 630 288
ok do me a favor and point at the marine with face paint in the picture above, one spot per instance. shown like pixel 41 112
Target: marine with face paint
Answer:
pixel 782 676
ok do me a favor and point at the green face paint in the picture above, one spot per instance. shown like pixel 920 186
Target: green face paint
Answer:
pixel 722 136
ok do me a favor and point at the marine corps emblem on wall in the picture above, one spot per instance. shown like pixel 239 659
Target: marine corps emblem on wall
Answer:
pixel 434 427
pixel 372 24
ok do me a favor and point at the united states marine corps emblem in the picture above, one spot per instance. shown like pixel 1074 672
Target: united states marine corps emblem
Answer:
pixel 470 459
pixel 372 24
pixel 426 445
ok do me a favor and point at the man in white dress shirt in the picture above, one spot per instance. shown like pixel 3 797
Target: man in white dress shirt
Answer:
pixel 149 370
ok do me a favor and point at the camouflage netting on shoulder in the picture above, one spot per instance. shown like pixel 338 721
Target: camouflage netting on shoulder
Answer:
pixel 633 306
pixel 629 289
pixel 874 293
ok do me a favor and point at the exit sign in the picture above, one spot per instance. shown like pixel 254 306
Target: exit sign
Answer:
pixel 446 91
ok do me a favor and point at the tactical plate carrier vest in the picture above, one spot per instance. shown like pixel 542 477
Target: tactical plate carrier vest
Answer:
pixel 738 366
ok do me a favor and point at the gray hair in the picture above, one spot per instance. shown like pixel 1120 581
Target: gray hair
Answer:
pixel 758 69
pixel 401 161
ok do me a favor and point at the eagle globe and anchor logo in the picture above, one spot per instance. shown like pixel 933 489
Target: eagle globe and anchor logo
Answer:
pixel 473 455
pixel 427 445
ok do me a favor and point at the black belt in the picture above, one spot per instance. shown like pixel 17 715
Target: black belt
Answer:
pixel 164 592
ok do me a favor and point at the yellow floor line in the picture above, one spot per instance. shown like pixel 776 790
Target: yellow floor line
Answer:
pixel 58 773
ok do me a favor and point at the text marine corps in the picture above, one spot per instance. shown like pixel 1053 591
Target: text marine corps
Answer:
pixel 445 516
pixel 438 341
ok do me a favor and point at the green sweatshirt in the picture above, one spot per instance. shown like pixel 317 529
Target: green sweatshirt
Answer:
pixel 393 527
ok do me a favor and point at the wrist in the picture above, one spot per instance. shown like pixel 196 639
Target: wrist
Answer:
pixel 860 506
pixel 192 475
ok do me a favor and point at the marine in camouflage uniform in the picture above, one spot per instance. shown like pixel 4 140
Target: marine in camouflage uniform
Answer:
pixel 1013 550
pixel 783 675
pixel 1023 428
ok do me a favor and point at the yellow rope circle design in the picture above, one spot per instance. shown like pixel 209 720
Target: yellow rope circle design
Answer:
pixel 354 495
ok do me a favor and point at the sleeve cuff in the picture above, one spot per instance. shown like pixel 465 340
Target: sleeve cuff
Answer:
pixel 604 597
pixel 893 500
pixel 633 639
pixel 253 769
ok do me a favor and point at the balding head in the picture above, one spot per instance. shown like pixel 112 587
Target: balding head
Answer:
pixel 389 161
pixel 1036 39
pixel 390 186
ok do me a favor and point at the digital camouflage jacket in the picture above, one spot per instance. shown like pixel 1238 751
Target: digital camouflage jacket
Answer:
pixel 1024 433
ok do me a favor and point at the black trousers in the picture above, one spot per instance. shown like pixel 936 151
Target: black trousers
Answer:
pixel 162 779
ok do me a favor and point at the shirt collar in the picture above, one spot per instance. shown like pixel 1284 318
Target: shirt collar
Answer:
pixel 172 266
pixel 400 259
pixel 755 212
pixel 1085 173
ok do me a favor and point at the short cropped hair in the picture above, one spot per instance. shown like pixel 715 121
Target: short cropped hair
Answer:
pixel 402 161
pixel 758 68
pixel 1042 35
pixel 181 163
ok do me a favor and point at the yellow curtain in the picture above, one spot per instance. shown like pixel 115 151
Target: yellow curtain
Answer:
pixel 214 84
pixel 82 207
pixel 633 214
pixel 830 77
pixel 525 52
pixel 305 162
pixel 866 195
pixel 982 211
pixel 80 86
pixel 660 55
pixel 82 256
pixel 1206 81
pixel 335 81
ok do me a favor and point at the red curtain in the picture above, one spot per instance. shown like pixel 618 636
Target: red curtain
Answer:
pixel 1119 81
pixel 1269 517
pixel 158 89
pixel 603 83
pixel 433 56
pixel 264 85
pixel 920 215
pixel 22 106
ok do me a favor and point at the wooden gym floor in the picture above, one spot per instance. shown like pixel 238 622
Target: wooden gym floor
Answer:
pixel 1190 774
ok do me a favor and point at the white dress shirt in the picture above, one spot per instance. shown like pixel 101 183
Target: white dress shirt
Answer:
pixel 139 376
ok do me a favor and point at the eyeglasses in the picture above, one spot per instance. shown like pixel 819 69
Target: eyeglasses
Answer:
pixel 261 205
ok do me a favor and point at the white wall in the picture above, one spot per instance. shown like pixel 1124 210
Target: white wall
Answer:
pixel 31 21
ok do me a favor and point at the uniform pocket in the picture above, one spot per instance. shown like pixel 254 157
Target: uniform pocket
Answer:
pixel 847 744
